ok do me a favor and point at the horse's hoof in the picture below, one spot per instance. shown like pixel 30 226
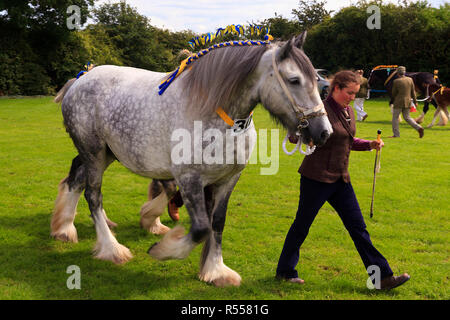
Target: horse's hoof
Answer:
pixel 65 238
pixel 172 246
pixel 156 227
pixel 160 230
pixel 220 275
pixel 119 254
pixel 68 234
pixel 226 282
pixel 151 247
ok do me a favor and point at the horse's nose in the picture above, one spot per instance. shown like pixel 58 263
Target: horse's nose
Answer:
pixel 324 136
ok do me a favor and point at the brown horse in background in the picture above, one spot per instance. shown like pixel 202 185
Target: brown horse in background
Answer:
pixel 442 96
pixel 422 80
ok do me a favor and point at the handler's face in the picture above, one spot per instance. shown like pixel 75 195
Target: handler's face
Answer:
pixel 345 95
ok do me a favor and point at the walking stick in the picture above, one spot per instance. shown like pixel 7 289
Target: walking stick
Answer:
pixel 375 170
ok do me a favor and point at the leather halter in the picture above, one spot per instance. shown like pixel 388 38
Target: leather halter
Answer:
pixel 302 113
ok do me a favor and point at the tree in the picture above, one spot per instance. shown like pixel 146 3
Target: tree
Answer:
pixel 282 28
pixel 137 42
pixel 412 34
pixel 311 13
pixel 31 33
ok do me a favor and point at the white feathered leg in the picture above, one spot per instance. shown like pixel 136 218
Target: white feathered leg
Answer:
pixel 62 227
pixel 213 270
pixel 107 246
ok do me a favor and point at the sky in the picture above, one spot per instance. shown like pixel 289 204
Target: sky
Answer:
pixel 202 16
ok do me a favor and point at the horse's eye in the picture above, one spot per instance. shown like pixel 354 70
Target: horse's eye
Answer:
pixel 294 81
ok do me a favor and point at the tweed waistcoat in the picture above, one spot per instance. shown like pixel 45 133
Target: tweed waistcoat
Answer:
pixel 329 162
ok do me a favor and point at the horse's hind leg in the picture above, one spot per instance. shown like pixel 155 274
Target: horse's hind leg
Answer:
pixel 435 117
pixel 159 193
pixel 444 116
pixel 212 268
pixel 107 247
pixel 69 192
pixel 176 245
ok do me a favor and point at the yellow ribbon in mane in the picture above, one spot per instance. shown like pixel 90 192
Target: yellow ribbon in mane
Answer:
pixel 231 29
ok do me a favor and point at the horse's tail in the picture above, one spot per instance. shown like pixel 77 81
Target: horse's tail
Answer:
pixel 62 92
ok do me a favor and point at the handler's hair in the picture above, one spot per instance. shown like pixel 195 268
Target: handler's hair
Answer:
pixel 343 78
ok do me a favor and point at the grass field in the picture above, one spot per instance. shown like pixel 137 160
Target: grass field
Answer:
pixel 410 226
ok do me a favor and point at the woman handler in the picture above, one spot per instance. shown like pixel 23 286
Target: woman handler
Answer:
pixel 325 177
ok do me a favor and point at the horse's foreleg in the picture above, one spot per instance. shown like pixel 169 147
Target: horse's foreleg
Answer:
pixel 69 192
pixel 176 245
pixel 212 268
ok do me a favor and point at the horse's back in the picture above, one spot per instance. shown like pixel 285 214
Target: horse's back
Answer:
pixel 119 107
pixel 107 89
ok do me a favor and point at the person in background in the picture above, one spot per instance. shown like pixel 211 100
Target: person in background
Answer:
pixel 325 177
pixel 402 94
pixel 361 96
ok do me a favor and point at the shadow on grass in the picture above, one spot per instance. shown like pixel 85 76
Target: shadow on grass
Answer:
pixel 311 288
pixel 31 259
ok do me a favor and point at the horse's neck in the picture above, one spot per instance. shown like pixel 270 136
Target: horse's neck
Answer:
pixel 241 109
pixel 243 104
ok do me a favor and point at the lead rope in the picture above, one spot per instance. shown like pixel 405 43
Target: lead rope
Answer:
pixel 305 113
pixel 309 150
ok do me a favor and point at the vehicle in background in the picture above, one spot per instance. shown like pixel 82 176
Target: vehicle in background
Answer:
pixel 323 84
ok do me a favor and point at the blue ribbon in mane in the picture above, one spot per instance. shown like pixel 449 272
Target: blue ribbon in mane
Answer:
pixel 166 83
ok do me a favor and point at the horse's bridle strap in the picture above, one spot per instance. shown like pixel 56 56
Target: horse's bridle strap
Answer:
pixel 304 113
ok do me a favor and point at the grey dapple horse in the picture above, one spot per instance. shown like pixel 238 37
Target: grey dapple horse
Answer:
pixel 115 113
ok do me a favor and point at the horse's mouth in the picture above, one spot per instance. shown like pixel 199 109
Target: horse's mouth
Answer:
pixel 308 141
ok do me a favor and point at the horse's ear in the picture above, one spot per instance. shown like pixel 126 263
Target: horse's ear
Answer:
pixel 283 52
pixel 300 40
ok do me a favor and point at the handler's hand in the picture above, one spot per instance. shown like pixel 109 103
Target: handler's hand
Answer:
pixel 374 144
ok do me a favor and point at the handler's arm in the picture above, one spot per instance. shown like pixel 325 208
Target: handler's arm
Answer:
pixel 366 145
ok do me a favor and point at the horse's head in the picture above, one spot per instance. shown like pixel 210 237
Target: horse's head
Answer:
pixel 288 90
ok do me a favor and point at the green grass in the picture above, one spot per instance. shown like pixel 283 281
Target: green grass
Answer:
pixel 410 226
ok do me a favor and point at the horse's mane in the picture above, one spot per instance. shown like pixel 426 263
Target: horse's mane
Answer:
pixel 217 78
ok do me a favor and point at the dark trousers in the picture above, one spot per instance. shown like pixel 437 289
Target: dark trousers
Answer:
pixel 341 197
